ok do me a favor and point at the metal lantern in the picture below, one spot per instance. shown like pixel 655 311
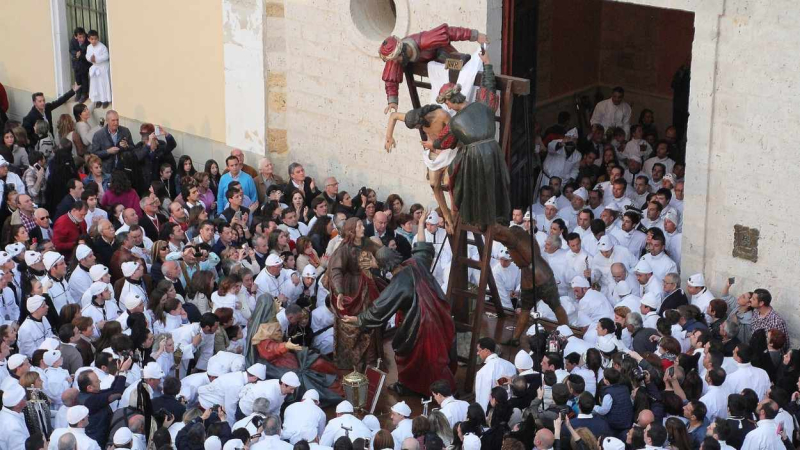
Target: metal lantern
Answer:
pixel 356 388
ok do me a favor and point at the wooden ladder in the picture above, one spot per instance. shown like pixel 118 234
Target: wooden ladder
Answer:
pixel 458 287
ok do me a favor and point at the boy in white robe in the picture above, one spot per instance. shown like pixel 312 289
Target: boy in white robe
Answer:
pixel 56 380
pixel 100 72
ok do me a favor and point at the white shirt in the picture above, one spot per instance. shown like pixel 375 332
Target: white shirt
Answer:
pixel 702 299
pixel 662 265
pixel 633 240
pixel 607 114
pixel 576 345
pixel 595 306
pixel 268 283
pixel 601 267
pixel 674 245
pixel 302 415
pixel 764 437
pixel 31 334
pixel 716 401
pixel 15 432
pixel 454 410
pixel 59 292
pixel 79 282
pixel 269 389
pixel 271 443
pixel 653 286
pixel 493 369
pixel 747 376
pixel 334 430
pixel 84 441
pixel 787 420
pixel 230 385
pixel 650 320
pixel 558 263
pixel 557 164
pixel 647 167
pixel 401 432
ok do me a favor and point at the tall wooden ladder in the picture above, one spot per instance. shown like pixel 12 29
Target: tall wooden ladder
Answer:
pixel 462 297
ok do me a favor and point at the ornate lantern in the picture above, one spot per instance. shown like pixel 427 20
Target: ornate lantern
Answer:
pixel 355 388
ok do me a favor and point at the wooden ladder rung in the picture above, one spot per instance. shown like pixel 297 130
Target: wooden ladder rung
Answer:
pixel 471 263
pixel 464 293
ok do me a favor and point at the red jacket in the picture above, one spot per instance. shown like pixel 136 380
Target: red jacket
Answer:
pixel 66 234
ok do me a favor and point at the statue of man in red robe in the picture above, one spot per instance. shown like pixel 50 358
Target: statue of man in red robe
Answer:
pixel 432 45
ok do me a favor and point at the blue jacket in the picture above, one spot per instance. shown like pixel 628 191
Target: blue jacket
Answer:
pixel 620 417
pixel 248 186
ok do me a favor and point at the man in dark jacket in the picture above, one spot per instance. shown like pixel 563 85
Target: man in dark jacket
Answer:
pixel 596 424
pixel 168 401
pixel 109 142
pixel 41 110
pixel 98 401
pixel 673 294
pixel 378 228
pixel 77 52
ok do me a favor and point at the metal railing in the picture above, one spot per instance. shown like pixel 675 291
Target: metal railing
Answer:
pixel 89 14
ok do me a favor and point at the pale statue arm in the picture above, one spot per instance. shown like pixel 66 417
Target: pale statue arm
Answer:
pixel 393 118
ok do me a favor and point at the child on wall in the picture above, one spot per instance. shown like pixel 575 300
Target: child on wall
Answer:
pixel 99 73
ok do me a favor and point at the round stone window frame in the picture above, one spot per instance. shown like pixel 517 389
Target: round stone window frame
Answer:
pixel 369 45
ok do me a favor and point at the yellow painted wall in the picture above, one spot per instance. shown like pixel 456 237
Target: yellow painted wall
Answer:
pixel 26 46
pixel 167 64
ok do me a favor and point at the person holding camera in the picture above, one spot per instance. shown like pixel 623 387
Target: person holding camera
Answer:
pixel 616 405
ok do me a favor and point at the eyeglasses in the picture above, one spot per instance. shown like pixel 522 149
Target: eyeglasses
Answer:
pixel 44 218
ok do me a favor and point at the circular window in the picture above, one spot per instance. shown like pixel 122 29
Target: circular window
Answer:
pixel 375 19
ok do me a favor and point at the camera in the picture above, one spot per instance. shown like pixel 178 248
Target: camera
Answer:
pixel 536 315
pixel 638 374
pixel 125 354
pixel 570 146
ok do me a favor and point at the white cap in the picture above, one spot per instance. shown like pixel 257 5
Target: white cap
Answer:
pixel 372 422
pixel 309 271
pixel 652 300
pixel 51 259
pixel 613 206
pixel 290 379
pixel 565 330
pixel 552 201
pixel 258 370
pixel 32 257
pixel 527 215
pixel 16 360
pixel 128 268
pixel 643 267
pixel 274 260
pixel 606 343
pixel 50 344
pixel 233 444
pixel 97 288
pixel 697 280
pixel 51 356
pixel 77 413
pixel 123 436
pixel 672 216
pixel 311 394
pixel 15 249
pixel 605 244
pixel 579 282
pixel 212 443
pixel 152 371
pixel 471 442
pixel 216 368
pixel 344 407
pixel 307 433
pixel 402 408
pixel 612 443
pixel 670 177
pixel 4 258
pixel 503 254
pixel 132 300
pixel 13 395
pixel 582 193
pixel 3 161
pixel 82 251
pixel 622 288
pixel 98 271
pixel 573 133
pixel 34 302
pixel 523 360
pixel 209 396
pixel 636 158
pixel 433 218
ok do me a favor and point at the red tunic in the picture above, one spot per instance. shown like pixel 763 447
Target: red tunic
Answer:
pixel 277 354
pixel 428 42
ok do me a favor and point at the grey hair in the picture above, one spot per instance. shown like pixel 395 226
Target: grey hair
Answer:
pixel 731 328
pixel 272 425
pixel 634 319
pixel 554 241
pixel 261 406
pixel 673 278
pixel 121 237
pixel 67 442
pixel 387 258
pixel 293 166
pixel 166 265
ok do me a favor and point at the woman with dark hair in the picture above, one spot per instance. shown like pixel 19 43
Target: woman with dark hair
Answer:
pixel 200 289
pixel 718 311
pixel 62 169
pixel 206 193
pixel 111 329
pixel 197 215
pixel 298 204
pixel 677 435
pixel 185 169
pixel 395 202
pixel 169 316
pixel 18 234
pixel 212 169
pixel 476 420
pixel 8 146
pixel 141 336
pixel 121 192
pixel 321 233
pixel 789 371
pixel 559 228
pixel 279 242
pixel 344 204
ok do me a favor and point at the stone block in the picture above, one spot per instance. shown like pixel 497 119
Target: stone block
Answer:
pixel 277 141
pixel 274 9
pixel 276 79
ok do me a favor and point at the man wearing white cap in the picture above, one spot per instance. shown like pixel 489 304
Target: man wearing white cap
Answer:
pixel 607 254
pixel 507 277
pixel 562 158
pixel 272 278
pixel 78 420
pixel 133 303
pixel 657 258
pixel 344 418
pixel 304 414
pixel 647 281
pixel 100 308
pixel 550 213
pixel 591 303
pixel 574 343
pixel 649 306
pixel 570 214
pixel 80 280
pixel 623 273
pixel 437 237
pixel 15 432
pixel 401 419
pixel 626 297
pixel 133 271
pixel 123 438
pixel 18 365
pixel 35 329
pixel 56 379
pixel 673 236
pixel 273 390
pixel 700 295
pixel 231 384
pixel 54 284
